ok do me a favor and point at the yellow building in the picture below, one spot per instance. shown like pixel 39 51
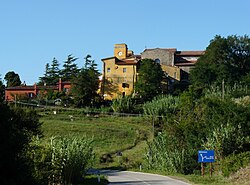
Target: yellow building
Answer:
pixel 119 73
pixel 120 70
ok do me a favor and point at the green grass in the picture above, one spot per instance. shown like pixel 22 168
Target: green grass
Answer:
pixel 110 134
pixel 214 180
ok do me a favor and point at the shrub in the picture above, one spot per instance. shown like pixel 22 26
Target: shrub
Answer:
pixel 17 126
pixel 161 108
pixel 234 162
pixel 123 105
pixel 62 160
pixel 165 154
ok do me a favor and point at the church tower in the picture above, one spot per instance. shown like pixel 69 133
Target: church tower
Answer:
pixel 120 51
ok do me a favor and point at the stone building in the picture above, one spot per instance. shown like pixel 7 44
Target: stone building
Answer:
pixel 175 64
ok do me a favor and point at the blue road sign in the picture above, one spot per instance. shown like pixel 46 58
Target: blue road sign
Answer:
pixel 206 156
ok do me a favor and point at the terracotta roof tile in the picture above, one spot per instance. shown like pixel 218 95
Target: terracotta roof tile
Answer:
pixel 166 49
pixel 190 53
pixel 30 87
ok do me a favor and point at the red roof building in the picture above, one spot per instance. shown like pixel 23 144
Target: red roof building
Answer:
pixel 32 91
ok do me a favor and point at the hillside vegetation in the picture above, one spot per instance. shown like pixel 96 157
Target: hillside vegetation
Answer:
pixel 110 134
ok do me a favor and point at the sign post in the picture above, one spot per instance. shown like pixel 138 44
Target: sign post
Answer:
pixel 206 156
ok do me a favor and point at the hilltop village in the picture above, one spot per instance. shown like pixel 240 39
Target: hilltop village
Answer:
pixel 120 72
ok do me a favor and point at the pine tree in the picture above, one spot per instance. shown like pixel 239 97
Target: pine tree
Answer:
pixel 86 84
pixel 45 79
pixel 70 69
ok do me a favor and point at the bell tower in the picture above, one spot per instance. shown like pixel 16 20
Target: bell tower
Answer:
pixel 120 51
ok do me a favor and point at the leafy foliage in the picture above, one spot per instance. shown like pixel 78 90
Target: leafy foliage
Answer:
pixel 204 122
pixel 124 104
pixel 17 127
pixel 86 84
pixel 225 59
pixel 2 87
pixel 162 105
pixel 166 154
pixel 70 69
pixel 12 79
pixel 149 80
pixel 62 160
pixel 52 73
pixel 234 162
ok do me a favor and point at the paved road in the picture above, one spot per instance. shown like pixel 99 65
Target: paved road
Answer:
pixel 137 178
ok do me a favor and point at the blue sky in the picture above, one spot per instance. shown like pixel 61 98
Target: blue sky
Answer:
pixel 32 32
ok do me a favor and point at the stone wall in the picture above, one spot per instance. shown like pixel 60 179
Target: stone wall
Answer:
pixel 165 56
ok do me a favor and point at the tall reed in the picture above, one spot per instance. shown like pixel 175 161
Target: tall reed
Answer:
pixel 62 161
pixel 165 154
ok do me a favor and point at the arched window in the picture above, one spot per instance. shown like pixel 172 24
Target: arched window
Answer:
pixel 158 61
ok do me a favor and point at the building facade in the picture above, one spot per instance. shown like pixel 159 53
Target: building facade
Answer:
pixel 121 70
pixel 176 64
pixel 119 73
pixel 32 91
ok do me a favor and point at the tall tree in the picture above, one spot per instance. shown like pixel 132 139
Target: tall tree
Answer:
pixel 86 84
pixel 45 78
pixel 12 79
pixel 70 68
pixel 149 80
pixel 1 91
pixel 53 72
pixel 225 59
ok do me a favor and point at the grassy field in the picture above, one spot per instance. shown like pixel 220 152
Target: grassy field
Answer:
pixel 110 134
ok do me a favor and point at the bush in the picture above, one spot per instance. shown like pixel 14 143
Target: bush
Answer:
pixel 234 162
pixel 123 105
pixel 161 108
pixel 62 160
pixel 165 154
pixel 17 126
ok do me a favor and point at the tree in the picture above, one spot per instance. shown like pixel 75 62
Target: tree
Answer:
pixel 70 69
pixel 17 127
pixel 12 79
pixel 149 80
pixel 52 73
pixel 1 91
pixel 45 79
pixel 86 84
pixel 225 59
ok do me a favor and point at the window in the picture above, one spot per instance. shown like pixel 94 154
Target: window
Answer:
pixel 108 70
pixel 175 75
pixel 125 85
pixel 66 90
pixel 124 70
pixel 157 61
pixel 31 95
